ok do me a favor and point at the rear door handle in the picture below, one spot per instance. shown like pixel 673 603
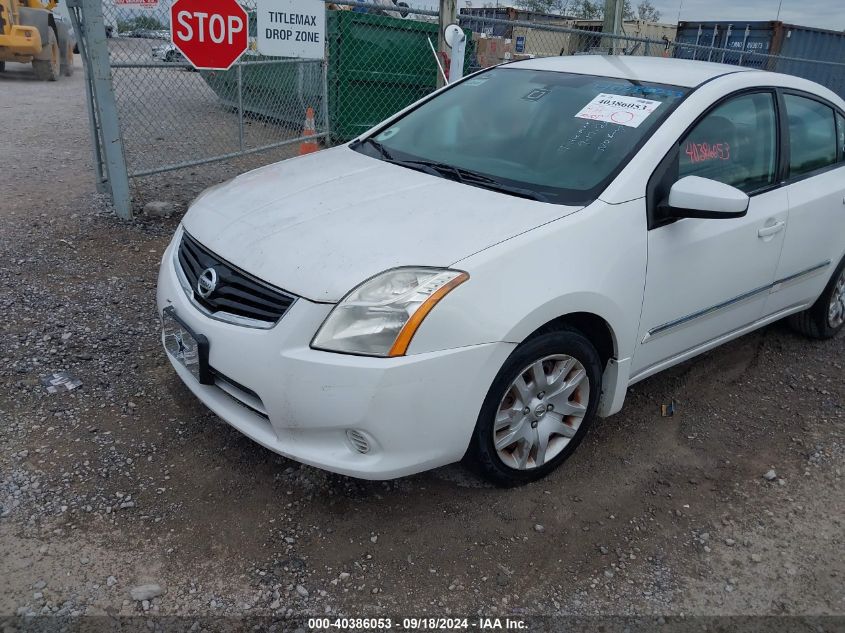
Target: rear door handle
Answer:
pixel 768 231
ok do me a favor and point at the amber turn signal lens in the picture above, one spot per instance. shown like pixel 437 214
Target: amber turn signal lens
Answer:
pixel 400 346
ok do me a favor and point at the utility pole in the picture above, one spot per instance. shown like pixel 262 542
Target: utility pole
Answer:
pixel 612 23
pixel 448 15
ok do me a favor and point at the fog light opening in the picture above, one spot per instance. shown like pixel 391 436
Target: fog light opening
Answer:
pixel 358 440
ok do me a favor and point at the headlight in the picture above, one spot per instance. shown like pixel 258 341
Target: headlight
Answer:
pixel 381 316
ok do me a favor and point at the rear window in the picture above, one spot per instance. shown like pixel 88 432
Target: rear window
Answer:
pixel 560 134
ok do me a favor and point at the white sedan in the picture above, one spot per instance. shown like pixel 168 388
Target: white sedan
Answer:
pixel 481 275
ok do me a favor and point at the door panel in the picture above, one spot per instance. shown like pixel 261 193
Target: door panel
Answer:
pixel 815 237
pixel 815 240
pixel 707 278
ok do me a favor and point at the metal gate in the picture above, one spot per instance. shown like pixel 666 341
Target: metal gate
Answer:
pixel 151 112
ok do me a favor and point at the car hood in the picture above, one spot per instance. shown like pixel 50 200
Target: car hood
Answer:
pixel 319 225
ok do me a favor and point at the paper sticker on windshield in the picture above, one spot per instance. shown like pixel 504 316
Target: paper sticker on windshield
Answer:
pixel 628 111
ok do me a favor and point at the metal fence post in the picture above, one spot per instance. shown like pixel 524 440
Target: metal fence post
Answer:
pixel 325 79
pixel 240 106
pixel 92 32
pixel 76 21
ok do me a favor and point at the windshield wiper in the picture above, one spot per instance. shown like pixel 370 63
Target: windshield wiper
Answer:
pixel 381 149
pixel 469 177
pixel 495 185
pixel 464 176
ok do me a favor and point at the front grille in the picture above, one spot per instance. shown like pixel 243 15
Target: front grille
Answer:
pixel 236 293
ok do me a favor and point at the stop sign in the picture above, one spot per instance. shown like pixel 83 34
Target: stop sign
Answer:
pixel 212 34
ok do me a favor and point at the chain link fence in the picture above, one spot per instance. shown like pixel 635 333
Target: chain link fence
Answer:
pixel 380 58
pixel 173 116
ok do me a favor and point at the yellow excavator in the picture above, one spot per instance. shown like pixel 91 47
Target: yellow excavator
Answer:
pixel 31 32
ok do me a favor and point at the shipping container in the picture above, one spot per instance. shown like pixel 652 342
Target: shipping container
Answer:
pixel 772 38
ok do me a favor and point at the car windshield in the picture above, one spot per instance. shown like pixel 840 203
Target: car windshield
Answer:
pixel 552 136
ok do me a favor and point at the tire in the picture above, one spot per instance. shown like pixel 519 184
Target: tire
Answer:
pixel 49 69
pixel 67 67
pixel 527 412
pixel 826 317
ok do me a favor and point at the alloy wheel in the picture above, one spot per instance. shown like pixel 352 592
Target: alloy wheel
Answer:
pixel 836 311
pixel 541 411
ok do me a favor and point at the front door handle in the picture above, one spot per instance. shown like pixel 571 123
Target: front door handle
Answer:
pixel 768 231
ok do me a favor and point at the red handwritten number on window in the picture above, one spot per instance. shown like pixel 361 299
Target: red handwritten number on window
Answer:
pixel 701 152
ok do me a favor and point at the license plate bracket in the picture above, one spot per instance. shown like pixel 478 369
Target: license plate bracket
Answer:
pixel 189 348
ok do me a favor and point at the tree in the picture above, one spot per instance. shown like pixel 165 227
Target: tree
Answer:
pixel 587 10
pixel 591 9
pixel 559 7
pixel 647 11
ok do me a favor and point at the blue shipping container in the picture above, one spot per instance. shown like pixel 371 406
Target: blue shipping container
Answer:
pixel 772 38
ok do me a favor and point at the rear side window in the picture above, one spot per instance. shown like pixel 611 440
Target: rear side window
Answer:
pixel 736 143
pixel 812 135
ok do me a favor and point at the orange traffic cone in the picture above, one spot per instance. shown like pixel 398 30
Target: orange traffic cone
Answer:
pixel 307 146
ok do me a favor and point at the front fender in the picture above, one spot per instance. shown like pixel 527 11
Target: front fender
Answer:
pixel 592 261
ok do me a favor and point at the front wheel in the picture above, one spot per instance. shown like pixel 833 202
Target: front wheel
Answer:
pixel 826 317
pixel 538 409
pixel 49 69
pixel 67 67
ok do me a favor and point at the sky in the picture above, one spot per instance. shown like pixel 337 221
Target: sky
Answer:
pixel 826 14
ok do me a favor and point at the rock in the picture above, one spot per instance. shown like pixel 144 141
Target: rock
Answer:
pixel 111 581
pixel 730 542
pixel 374 539
pixel 344 575
pixel 539 528
pixel 770 475
pixel 756 558
pixel 38 586
pixel 302 591
pixel 159 209
pixel 146 592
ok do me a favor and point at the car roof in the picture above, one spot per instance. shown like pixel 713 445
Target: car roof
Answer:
pixel 661 70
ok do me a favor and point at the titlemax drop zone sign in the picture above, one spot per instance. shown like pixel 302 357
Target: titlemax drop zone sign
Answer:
pixel 292 28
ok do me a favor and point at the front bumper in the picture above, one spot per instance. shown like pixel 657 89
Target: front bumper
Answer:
pixel 416 412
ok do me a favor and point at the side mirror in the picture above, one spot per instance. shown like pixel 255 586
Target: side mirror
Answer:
pixel 695 197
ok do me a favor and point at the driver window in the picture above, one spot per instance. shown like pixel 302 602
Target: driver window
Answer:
pixel 736 143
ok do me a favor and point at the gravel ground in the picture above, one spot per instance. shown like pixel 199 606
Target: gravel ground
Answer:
pixel 126 496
